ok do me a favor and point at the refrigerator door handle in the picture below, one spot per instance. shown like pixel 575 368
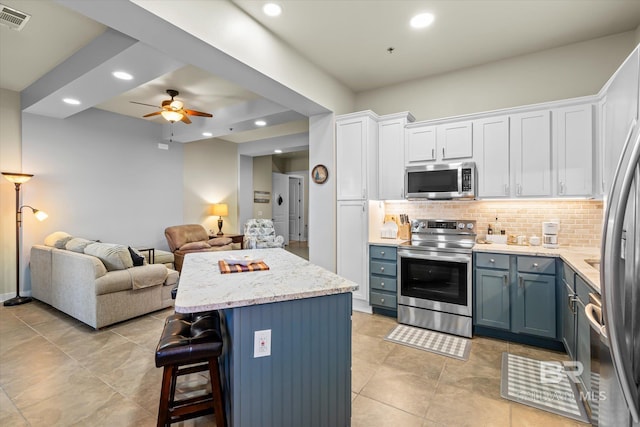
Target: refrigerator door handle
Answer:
pixel 612 282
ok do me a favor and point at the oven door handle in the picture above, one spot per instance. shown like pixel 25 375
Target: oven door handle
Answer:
pixel 439 257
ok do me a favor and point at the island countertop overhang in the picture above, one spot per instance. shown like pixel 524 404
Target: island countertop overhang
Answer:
pixel 203 288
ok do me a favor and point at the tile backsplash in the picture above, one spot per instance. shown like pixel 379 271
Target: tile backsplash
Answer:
pixel 580 220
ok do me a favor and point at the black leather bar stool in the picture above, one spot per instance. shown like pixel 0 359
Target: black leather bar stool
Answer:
pixel 190 343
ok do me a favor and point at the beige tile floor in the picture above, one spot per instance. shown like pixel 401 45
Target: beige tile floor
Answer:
pixel 298 247
pixel 56 371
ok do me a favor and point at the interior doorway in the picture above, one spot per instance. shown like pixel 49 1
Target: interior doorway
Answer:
pixel 296 209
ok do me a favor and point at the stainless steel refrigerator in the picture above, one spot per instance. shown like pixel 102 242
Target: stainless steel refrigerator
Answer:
pixel 620 283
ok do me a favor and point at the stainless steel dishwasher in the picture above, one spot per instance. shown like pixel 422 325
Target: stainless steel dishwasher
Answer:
pixel 606 395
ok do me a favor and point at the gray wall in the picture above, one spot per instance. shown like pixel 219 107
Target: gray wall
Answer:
pixel 100 175
pixel 570 71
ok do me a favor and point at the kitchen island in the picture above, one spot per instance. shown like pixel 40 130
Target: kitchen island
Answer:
pixel 306 379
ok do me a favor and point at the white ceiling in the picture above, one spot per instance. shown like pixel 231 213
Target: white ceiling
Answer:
pixel 347 39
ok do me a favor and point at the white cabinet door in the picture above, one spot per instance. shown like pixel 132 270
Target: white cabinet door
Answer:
pixel 530 144
pixel 491 138
pixel 620 114
pixel 421 145
pixel 573 145
pixel 352 245
pixel 454 141
pixel 391 158
pixel 357 157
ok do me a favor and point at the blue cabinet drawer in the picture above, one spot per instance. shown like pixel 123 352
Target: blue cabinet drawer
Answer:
pixel 486 260
pixel 383 267
pixel 534 264
pixel 384 300
pixel 383 283
pixel 382 252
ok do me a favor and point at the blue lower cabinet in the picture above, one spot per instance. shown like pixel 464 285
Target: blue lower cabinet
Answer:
pixel 515 298
pixel 383 284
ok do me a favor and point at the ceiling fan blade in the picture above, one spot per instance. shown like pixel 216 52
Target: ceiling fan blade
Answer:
pixel 197 113
pixel 142 103
pixel 185 119
pixel 155 113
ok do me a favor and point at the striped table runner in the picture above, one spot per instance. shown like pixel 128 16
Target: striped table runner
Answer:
pixel 225 268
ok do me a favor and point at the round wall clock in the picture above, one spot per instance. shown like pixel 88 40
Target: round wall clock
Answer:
pixel 319 174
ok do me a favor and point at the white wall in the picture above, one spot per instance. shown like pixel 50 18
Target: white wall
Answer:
pixel 10 161
pixel 211 176
pixel 100 175
pixel 575 70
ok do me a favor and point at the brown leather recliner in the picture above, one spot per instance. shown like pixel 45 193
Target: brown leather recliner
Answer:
pixel 184 239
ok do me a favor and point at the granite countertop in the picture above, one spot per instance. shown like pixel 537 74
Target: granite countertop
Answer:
pixel 575 257
pixel 202 286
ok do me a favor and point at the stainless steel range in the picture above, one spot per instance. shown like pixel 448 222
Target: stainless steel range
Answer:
pixel 435 276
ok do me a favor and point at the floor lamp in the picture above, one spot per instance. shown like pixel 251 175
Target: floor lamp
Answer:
pixel 18 179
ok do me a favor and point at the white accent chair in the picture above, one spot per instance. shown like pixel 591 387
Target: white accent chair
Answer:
pixel 260 234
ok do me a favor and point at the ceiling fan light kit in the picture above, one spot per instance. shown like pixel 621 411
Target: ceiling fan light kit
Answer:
pixel 172 110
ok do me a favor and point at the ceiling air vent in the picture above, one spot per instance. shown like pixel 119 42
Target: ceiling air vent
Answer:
pixel 13 18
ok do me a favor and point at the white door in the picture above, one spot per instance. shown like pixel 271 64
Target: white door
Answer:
pixel 491 138
pixel 280 187
pixel 295 208
pixel 573 145
pixel 530 144
pixel 455 141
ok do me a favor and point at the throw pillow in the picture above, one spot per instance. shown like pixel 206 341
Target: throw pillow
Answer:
pixel 114 257
pixel 53 238
pixel 138 260
pixel 220 241
pixel 77 244
pixel 194 246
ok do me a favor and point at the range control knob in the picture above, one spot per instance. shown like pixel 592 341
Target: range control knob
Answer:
pixel 422 224
pixel 470 226
pixel 461 225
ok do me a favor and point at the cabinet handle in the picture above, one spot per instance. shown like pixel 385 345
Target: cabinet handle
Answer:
pixel 506 280
pixel 535 265
pixel 521 282
pixel 571 303
pixel 519 189
pixel 381 268
pixel 381 299
pixel 363 194
pixel 382 253
pixel 506 189
pixel 433 153
pixel 382 284
pixel 561 187
pixel 492 260
pixel 443 156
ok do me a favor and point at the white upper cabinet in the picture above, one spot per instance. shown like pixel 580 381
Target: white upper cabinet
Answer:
pixel 573 148
pixel 357 156
pixel 439 143
pixel 391 155
pixel 491 137
pixel 618 115
pixel 530 145
pixel 421 145
pixel 455 141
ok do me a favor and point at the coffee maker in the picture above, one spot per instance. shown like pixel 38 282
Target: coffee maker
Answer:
pixel 550 233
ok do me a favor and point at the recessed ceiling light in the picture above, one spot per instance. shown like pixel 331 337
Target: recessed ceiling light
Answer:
pixel 71 101
pixel 122 75
pixel 272 9
pixel 277 151
pixel 207 134
pixel 422 20
pixel 260 123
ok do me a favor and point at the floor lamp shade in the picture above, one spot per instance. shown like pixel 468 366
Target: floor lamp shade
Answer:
pixel 18 179
pixel 220 209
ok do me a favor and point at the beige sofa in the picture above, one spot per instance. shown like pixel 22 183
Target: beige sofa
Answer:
pixel 82 286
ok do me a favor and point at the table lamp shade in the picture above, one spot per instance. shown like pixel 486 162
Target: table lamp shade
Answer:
pixel 220 209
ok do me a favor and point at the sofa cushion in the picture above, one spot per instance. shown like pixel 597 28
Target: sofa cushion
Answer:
pixel 77 244
pixel 148 275
pixel 57 239
pixel 137 259
pixel 220 241
pixel 194 246
pixel 114 257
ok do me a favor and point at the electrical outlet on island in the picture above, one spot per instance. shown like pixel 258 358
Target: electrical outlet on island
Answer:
pixel 262 343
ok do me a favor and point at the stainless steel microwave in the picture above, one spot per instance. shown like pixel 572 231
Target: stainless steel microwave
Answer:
pixel 441 181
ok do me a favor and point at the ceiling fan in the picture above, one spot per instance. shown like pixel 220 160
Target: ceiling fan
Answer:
pixel 173 110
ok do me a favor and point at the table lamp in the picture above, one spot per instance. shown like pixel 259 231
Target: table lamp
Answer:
pixel 18 179
pixel 221 210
